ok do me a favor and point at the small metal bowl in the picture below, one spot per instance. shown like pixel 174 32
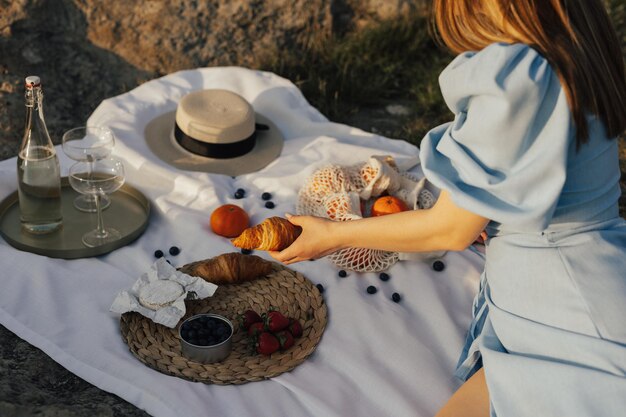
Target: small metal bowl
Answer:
pixel 210 353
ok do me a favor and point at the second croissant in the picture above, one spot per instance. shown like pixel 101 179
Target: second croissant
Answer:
pixel 273 234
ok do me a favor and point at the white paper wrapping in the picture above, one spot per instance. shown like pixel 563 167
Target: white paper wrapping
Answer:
pixel 168 315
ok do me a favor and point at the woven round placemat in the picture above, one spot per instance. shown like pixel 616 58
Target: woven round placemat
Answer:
pixel 286 290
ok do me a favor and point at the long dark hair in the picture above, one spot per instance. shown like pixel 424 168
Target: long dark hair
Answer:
pixel 575 36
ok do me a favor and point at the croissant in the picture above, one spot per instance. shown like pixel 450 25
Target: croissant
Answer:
pixel 230 268
pixel 274 233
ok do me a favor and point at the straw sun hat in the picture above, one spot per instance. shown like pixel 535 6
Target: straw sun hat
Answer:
pixel 214 131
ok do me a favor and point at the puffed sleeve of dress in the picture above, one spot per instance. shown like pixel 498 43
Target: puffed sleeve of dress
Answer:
pixel 504 157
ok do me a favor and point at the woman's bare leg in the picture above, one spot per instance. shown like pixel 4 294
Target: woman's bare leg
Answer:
pixel 470 400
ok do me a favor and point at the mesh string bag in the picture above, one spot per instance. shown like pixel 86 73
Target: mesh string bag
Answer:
pixel 344 193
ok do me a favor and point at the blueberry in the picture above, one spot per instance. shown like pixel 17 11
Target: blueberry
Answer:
pixel 438 266
pixel 203 342
pixel 320 287
pixel 184 334
pixel 270 205
pixel 158 253
pixel 210 324
pixel 240 193
pixel 192 334
pixel 194 341
pixel 371 289
pixel 174 250
pixel 384 276
pixel 246 251
pixel 396 297
pixel 343 273
pixel 266 196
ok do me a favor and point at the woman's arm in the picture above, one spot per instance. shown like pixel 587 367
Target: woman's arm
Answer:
pixel 445 226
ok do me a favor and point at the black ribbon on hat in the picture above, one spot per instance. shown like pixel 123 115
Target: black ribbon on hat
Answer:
pixel 217 150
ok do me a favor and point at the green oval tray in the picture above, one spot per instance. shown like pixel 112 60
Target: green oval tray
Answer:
pixel 129 213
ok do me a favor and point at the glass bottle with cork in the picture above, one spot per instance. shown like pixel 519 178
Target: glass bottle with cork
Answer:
pixel 38 172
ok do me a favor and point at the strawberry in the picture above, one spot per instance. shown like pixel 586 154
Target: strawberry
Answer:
pixel 255 329
pixel 248 317
pixel 285 338
pixel 295 327
pixel 275 321
pixel 267 344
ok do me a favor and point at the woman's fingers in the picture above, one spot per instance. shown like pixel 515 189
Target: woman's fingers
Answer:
pixel 285 259
pixel 286 255
pixel 294 260
pixel 275 254
pixel 310 244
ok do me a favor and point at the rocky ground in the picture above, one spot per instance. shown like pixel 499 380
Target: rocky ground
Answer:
pixel 88 50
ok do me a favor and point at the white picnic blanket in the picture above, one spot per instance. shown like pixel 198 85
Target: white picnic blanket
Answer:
pixel 376 357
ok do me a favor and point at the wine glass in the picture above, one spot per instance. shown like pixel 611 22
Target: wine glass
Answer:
pixel 98 178
pixel 88 144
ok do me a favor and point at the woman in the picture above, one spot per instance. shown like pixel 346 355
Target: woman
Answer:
pixel 539 95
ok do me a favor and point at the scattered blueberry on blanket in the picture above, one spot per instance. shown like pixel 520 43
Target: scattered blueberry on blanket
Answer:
pixel 174 250
pixel 396 297
pixel 158 253
pixel 266 196
pixel 270 205
pixel 240 193
pixel 439 266
pixel 246 251
pixel 384 276
pixel 343 273
pixel 320 287
pixel 371 289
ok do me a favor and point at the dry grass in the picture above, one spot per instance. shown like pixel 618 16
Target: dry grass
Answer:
pixel 394 61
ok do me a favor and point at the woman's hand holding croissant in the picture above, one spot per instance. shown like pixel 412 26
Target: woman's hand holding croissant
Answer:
pixel 445 226
pixel 315 241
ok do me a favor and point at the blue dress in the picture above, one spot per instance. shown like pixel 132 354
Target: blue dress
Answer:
pixel 550 319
